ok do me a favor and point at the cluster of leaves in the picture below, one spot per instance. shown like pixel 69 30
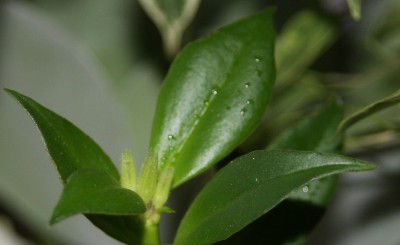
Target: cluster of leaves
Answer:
pixel 213 97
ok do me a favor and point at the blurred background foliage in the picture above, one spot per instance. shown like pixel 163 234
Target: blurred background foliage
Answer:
pixel 100 63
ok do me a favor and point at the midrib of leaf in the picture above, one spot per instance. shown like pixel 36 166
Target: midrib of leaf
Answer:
pixel 194 125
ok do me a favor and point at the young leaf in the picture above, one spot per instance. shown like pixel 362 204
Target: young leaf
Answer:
pixel 69 148
pixel 214 96
pixel 252 185
pixel 93 191
pixel 128 171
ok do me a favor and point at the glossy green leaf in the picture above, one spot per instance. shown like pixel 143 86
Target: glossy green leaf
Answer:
pixel 295 217
pixel 315 133
pixel 69 148
pixel 171 18
pixel 214 96
pixel 91 191
pixel 252 185
pixel 302 40
pixel 368 110
pixel 355 8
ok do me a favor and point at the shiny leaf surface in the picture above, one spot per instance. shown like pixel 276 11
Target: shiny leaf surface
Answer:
pixel 252 185
pixel 214 96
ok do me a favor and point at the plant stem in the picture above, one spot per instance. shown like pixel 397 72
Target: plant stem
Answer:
pixel 151 235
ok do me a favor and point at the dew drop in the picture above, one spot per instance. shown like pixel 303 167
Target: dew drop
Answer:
pixel 254 158
pixel 171 137
pixel 256 179
pixel 257 59
pixel 206 103
pixel 247 85
pixel 248 102
pixel 243 111
pixel 214 92
pixel 305 188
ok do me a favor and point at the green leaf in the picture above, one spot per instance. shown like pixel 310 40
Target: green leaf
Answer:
pixel 316 133
pixel 214 96
pixel 171 18
pixel 295 217
pixel 92 191
pixel 369 110
pixel 252 185
pixel 302 40
pixel 69 148
pixel 355 8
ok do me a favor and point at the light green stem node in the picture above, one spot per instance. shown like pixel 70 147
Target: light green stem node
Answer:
pixel 151 236
pixel 152 188
pixel 128 171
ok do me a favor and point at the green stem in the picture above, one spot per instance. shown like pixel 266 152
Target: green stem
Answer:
pixel 375 107
pixel 151 235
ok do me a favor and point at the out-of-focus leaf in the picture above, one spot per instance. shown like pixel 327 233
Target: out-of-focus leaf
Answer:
pixel 355 8
pixel 214 96
pixel 252 185
pixel 69 148
pixel 92 191
pixel 304 37
pixel 315 133
pixel 102 27
pixel 370 109
pixel 171 19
